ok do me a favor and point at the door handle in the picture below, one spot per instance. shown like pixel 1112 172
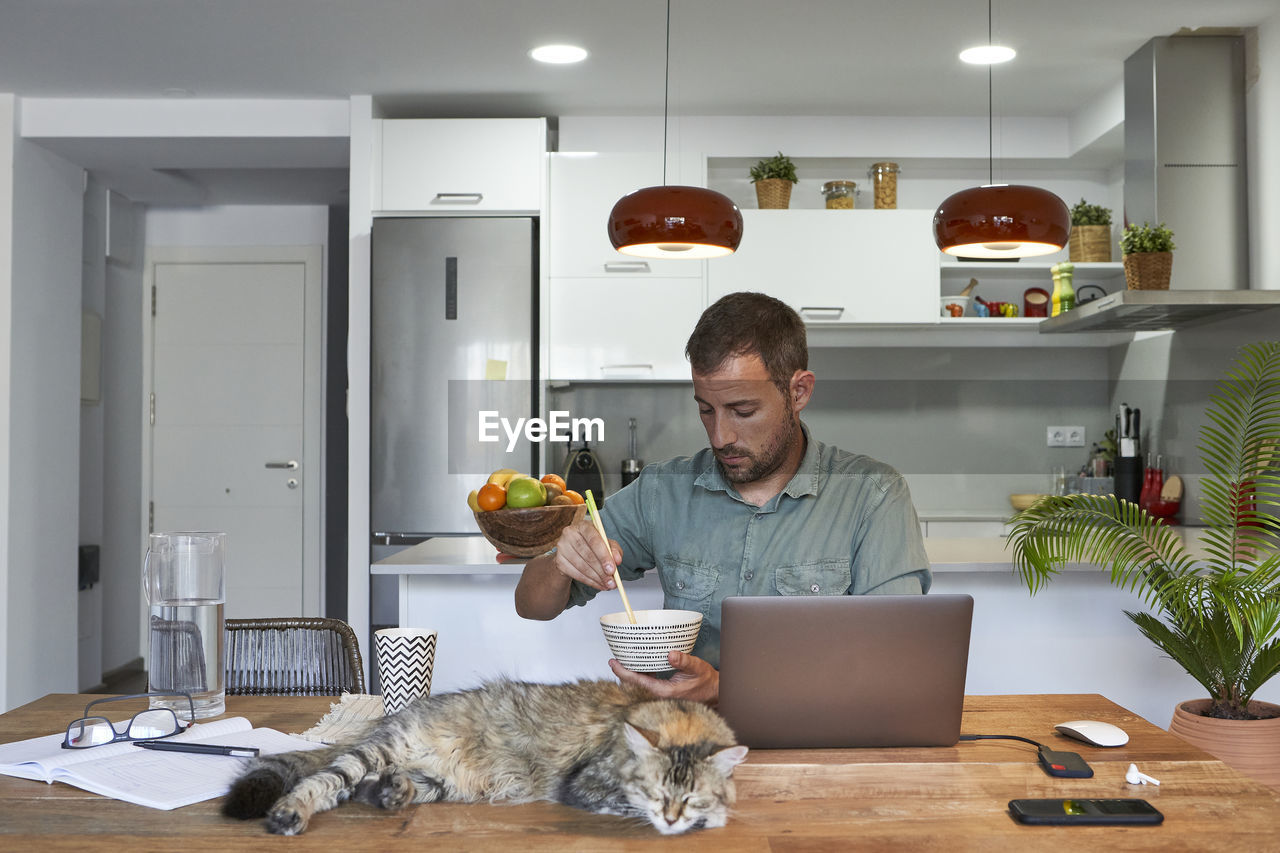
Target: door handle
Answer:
pixel 474 198
pixel 626 266
pixel 291 465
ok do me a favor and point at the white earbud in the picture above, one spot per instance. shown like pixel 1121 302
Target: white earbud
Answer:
pixel 1135 777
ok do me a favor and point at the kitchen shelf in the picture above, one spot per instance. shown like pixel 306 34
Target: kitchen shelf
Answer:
pixel 954 332
pixel 1024 271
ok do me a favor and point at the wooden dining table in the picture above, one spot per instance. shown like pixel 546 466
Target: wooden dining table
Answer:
pixel 952 798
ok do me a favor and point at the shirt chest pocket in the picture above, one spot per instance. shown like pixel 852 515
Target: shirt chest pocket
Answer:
pixel 824 577
pixel 688 585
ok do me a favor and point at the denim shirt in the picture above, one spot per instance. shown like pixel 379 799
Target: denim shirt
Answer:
pixel 844 525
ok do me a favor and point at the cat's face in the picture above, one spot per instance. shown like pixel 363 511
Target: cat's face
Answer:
pixel 682 787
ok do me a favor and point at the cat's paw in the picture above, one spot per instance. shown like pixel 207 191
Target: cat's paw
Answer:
pixel 286 818
pixel 393 791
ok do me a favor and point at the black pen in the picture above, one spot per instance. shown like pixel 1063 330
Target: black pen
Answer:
pixel 201 748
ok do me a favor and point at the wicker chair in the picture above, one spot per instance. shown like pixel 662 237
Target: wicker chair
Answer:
pixel 294 656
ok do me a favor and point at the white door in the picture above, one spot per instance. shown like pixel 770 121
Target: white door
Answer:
pixel 235 418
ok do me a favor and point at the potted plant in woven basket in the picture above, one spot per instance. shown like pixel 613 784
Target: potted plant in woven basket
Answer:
pixel 1090 240
pixel 1147 253
pixel 774 178
pixel 1218 616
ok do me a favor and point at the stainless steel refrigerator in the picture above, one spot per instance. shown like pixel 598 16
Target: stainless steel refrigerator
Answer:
pixel 454 332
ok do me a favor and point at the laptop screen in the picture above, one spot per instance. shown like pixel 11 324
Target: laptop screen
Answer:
pixel 844 671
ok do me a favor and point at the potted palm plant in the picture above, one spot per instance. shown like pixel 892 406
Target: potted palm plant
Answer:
pixel 1147 253
pixel 1090 239
pixel 774 177
pixel 1218 617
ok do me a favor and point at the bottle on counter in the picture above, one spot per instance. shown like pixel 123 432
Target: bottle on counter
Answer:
pixel 1064 294
pixel 1152 483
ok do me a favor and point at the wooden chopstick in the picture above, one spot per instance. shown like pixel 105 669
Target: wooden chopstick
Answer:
pixel 595 519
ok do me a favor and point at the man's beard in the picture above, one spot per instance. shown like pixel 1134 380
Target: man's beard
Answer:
pixel 770 458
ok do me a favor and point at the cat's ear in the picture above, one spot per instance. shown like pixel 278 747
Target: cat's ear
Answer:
pixel 728 758
pixel 640 740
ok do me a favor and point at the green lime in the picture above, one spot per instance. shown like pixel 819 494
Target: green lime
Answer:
pixel 525 492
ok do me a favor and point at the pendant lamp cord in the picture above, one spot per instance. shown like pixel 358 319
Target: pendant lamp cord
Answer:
pixel 666 95
pixel 991 169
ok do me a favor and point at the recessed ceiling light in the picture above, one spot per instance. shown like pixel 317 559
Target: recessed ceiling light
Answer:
pixel 987 54
pixel 559 54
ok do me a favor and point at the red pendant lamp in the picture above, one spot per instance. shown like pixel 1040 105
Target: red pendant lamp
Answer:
pixel 674 221
pixel 996 221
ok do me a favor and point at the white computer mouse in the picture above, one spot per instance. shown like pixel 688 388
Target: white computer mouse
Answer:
pixel 1094 732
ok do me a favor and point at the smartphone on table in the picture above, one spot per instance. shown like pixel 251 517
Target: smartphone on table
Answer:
pixel 1084 811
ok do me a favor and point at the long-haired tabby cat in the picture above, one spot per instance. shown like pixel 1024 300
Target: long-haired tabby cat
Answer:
pixel 596 745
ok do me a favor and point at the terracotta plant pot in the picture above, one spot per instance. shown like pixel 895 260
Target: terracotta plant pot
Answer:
pixel 1148 270
pixel 773 194
pixel 1250 746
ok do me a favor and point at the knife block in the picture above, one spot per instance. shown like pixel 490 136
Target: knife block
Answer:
pixel 1128 478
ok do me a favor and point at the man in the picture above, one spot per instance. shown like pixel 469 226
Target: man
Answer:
pixel 765 510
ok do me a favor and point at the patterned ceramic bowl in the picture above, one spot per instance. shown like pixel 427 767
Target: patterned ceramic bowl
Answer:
pixel 643 647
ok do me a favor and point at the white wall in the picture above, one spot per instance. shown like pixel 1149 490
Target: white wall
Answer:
pixel 239 225
pixel 7 135
pixel 42 401
pixel 93 296
pixel 122 419
pixel 360 228
pixel 1262 125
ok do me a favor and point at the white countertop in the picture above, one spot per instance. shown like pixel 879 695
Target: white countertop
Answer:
pixel 473 555
pixel 448 555
pixel 984 514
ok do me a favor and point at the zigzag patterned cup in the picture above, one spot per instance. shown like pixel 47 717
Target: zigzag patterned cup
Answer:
pixel 405 659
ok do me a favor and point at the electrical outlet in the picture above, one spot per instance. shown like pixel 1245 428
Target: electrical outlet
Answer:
pixel 1065 436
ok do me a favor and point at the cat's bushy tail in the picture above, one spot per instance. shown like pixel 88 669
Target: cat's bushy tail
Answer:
pixel 267 779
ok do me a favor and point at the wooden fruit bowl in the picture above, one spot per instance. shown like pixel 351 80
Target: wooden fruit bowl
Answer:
pixel 527 532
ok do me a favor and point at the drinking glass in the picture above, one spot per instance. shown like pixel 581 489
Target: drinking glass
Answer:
pixel 185 583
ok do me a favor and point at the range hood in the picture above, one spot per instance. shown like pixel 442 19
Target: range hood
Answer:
pixel 1159 310
pixel 1184 151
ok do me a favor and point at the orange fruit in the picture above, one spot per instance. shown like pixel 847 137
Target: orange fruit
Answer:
pixel 555 480
pixel 575 497
pixel 491 496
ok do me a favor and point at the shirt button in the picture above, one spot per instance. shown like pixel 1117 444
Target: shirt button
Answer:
pixel 679 584
pixel 749 575
pixel 814 588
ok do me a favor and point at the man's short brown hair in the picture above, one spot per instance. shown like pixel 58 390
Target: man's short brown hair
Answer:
pixel 741 324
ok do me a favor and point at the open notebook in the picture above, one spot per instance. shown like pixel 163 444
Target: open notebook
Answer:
pixel 158 780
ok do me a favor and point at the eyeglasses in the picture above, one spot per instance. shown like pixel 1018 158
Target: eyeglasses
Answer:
pixel 152 724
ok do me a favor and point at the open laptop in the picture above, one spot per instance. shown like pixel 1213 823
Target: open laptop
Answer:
pixel 844 671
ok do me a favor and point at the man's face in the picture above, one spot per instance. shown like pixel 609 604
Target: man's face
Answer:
pixel 750 423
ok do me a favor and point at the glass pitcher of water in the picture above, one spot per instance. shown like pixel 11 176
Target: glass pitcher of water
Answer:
pixel 185 585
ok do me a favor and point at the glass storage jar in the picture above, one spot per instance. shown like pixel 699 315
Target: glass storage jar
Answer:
pixel 884 181
pixel 839 194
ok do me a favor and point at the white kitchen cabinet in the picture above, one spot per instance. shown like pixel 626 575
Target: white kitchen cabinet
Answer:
pixel 582 189
pixel 612 317
pixel 837 267
pixel 621 327
pixel 491 165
